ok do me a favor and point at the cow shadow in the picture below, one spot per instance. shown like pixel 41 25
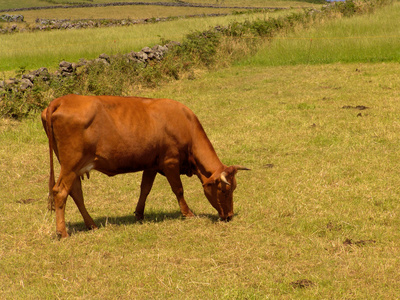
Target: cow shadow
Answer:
pixel 151 217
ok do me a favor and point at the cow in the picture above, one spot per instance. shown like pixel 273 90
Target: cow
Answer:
pixel 116 135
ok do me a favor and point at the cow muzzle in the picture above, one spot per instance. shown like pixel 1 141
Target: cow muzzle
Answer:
pixel 227 218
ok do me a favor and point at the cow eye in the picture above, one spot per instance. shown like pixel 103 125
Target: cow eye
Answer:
pixel 226 189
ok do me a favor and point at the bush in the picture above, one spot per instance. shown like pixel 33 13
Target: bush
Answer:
pixel 353 7
pixel 18 105
pixel 200 47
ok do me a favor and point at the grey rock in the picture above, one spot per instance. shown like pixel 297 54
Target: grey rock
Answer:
pixel 25 84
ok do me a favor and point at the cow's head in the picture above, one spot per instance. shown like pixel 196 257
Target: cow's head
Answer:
pixel 219 188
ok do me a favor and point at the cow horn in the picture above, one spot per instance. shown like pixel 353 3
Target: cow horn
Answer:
pixel 223 178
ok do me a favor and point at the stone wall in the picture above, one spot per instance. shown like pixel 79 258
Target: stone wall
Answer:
pixel 66 69
pixel 11 18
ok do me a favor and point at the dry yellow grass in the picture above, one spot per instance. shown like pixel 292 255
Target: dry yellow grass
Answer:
pixel 317 217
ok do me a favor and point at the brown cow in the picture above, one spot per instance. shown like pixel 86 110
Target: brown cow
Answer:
pixel 117 135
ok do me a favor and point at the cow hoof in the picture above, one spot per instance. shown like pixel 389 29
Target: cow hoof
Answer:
pixel 92 227
pixel 189 215
pixel 139 217
pixel 62 235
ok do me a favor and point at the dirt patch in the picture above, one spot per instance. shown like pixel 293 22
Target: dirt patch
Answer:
pixel 331 226
pixel 302 284
pixel 358 243
pixel 359 107
pixel 27 201
pixel 269 166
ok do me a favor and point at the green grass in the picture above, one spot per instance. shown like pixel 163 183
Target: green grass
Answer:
pixel 372 38
pixel 47 49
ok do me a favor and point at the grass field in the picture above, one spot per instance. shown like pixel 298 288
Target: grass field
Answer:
pixel 115 12
pixel 32 50
pixel 316 218
pixel 372 38
pixel 47 49
pixel 321 202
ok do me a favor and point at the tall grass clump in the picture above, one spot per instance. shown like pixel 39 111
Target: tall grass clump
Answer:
pixel 18 105
pixel 200 47
pixel 347 40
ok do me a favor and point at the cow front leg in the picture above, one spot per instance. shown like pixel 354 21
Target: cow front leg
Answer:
pixel 77 195
pixel 148 177
pixel 175 182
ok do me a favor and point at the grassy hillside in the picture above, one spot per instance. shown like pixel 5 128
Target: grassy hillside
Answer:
pixel 372 38
pixel 27 50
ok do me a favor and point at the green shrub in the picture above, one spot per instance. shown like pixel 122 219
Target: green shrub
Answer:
pixel 18 105
pixel 349 8
pixel 200 47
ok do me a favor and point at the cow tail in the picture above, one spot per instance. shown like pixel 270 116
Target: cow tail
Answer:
pixel 50 135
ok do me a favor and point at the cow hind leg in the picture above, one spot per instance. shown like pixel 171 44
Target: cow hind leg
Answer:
pixel 145 188
pixel 174 179
pixel 77 195
pixel 60 193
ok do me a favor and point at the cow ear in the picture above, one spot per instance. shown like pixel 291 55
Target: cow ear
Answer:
pixel 212 179
pixel 209 181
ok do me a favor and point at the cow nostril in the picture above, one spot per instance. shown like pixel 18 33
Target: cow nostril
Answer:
pixel 228 219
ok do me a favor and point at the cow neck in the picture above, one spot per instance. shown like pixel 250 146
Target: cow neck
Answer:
pixel 205 158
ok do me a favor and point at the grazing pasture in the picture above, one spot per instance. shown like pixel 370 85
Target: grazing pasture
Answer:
pixel 320 204
pixel 316 218
pixel 26 50
pixel 371 38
